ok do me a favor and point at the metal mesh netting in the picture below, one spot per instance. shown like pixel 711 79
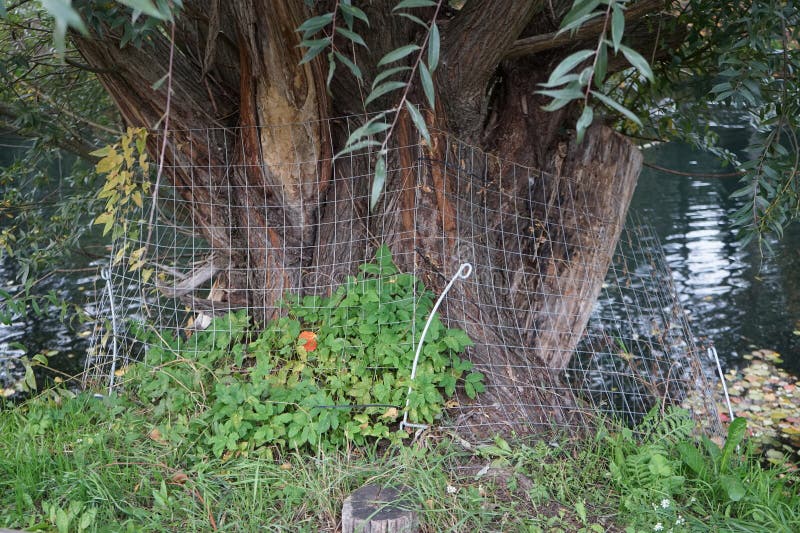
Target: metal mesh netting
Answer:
pixel 636 351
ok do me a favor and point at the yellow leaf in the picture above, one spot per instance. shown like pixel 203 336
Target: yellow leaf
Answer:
pixel 136 255
pixel 390 413
pixel 107 219
pixel 120 254
pixel 109 163
pixel 102 152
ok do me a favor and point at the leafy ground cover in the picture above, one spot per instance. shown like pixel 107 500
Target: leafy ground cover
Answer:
pixel 83 463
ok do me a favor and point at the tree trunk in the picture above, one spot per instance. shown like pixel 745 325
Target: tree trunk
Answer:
pixel 251 155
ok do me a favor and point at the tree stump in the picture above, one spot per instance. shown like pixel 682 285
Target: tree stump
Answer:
pixel 377 509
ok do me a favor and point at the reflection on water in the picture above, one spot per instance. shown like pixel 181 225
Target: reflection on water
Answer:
pixel 65 344
pixel 736 297
pixel 28 333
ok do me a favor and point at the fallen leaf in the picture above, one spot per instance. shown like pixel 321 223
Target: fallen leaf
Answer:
pixel 179 478
pixel 390 413
pixel 155 435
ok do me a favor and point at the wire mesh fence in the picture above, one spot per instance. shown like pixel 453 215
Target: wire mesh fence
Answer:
pixel 228 234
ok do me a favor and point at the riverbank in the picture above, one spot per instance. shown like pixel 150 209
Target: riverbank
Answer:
pixel 81 463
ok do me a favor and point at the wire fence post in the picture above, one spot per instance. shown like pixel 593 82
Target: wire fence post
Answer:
pixel 712 354
pixel 464 271
pixel 105 274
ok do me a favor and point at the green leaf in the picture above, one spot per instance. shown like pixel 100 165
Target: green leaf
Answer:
pixel 568 64
pixel 567 78
pixel 62 521
pixel 30 378
pixel 659 465
pixel 352 66
pixel 314 49
pixel 617 107
pixel 427 84
pixel 736 433
pixel 382 89
pixel 87 519
pixel 635 59
pixel 398 54
pixel 378 181
pixel 388 72
pixel 691 457
pixel 584 121
pixel 580 509
pixel 733 487
pixel 3 11
pixel 569 93
pixel 313 25
pixel 374 126
pixel 433 47
pixel 64 14
pixel 419 121
pixel 354 11
pixel 331 70
pixel 617 26
pixel 601 65
pixel 580 9
pixel 146 7
pixel 577 23
pixel 410 4
pixel 414 19
pixel 557 104
pixel 157 85
pixel 353 36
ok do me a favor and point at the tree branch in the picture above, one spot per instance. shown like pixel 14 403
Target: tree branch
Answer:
pixel 590 30
pixel 473 44
pixel 69 143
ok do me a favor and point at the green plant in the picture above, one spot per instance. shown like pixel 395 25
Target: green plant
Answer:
pixel 670 480
pixel 643 463
pixel 335 370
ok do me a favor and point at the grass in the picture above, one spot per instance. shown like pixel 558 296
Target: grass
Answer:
pixel 87 464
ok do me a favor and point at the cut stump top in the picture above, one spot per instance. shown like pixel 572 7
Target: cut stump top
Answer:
pixel 378 509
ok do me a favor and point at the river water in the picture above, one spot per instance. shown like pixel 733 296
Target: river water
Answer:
pixel 736 298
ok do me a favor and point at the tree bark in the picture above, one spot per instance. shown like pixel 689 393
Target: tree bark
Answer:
pixel 251 150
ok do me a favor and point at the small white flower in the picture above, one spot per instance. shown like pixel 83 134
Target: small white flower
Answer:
pixel 658 527
pixel 692 500
pixel 665 503
pixel 451 489
pixel 680 521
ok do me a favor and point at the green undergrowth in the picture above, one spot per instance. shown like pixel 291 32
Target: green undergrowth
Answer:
pixel 334 371
pixel 83 463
